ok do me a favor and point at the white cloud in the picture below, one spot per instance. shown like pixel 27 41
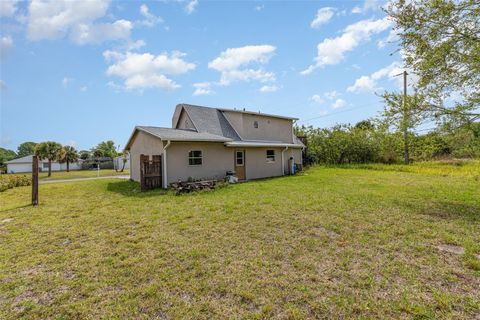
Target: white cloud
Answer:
pixel 339 103
pixel 145 70
pixel 392 37
pixel 8 8
pixel 357 9
pixel 367 6
pixel 332 50
pixel 83 88
pixel 6 44
pixel 191 6
pixel 317 98
pixel 150 19
pixel 100 32
pixel 370 83
pixel 202 88
pixel 323 16
pixel 134 45
pixel 55 19
pixel 231 61
pixel 66 81
pixel 116 87
pixel 259 7
pixel 364 83
pixel 330 95
pixel 266 89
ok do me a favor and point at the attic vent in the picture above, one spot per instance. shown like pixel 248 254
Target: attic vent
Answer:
pixel 255 124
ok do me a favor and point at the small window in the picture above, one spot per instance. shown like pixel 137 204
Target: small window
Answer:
pixel 270 155
pixel 195 158
pixel 255 124
pixel 45 165
pixel 239 158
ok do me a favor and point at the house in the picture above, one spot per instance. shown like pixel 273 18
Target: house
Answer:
pixel 206 143
pixel 24 164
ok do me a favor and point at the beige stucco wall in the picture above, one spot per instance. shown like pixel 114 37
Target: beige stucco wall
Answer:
pixel 217 160
pixel 269 128
pixel 143 143
pixel 257 165
pixel 184 122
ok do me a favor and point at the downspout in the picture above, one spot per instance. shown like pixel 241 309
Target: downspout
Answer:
pixel 293 133
pixel 283 161
pixel 164 157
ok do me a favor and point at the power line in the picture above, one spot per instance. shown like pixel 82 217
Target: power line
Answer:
pixel 332 114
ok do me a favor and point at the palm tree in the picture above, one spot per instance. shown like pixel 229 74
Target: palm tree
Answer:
pixel 49 150
pixel 68 154
pixel 124 156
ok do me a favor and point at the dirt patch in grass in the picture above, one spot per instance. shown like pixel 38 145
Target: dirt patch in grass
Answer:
pixel 450 248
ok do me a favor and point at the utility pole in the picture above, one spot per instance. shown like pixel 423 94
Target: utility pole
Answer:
pixel 405 119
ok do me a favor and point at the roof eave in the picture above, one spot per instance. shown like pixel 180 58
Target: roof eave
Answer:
pixel 260 145
pixel 258 113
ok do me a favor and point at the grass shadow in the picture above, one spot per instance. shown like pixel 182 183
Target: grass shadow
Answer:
pixel 454 210
pixel 17 207
pixel 132 189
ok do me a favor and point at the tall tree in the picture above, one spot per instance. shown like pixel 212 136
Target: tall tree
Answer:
pixel 26 149
pixel 68 155
pixel 84 154
pixel 49 150
pixel 440 41
pixel 404 113
pixel 6 155
pixel 105 149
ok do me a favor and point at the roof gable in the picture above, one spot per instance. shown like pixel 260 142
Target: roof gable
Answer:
pixel 210 120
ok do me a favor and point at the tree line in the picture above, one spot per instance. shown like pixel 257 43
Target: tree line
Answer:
pixel 372 141
pixel 54 151
pixel 439 42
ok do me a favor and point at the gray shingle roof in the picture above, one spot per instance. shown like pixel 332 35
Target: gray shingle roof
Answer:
pixel 26 159
pixel 182 134
pixel 210 120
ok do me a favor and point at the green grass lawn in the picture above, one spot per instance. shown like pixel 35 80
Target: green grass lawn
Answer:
pixel 329 243
pixel 74 174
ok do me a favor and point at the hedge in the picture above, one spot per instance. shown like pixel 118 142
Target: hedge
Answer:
pixel 8 181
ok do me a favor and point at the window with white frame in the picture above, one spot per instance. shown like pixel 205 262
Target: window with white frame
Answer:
pixel 45 165
pixel 270 155
pixel 239 161
pixel 195 157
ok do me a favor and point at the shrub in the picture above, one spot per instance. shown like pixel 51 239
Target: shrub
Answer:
pixel 12 181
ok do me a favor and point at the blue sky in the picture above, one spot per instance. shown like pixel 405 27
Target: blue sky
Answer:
pixel 83 72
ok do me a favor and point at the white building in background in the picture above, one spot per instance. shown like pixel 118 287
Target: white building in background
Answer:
pixel 24 164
